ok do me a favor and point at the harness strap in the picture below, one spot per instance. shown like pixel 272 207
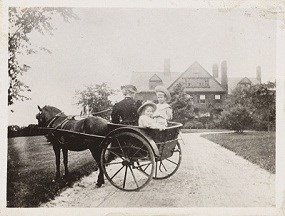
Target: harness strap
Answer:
pixel 60 126
pixel 53 119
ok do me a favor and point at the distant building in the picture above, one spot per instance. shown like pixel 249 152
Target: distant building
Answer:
pixel 234 82
pixel 208 90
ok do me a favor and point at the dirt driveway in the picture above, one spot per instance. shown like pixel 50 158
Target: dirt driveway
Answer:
pixel 209 176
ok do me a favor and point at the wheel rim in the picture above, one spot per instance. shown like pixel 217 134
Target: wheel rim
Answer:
pixel 167 167
pixel 127 161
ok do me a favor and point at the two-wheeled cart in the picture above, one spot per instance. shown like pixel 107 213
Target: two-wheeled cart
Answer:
pixel 132 156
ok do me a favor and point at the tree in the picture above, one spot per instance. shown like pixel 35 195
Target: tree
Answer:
pixel 258 100
pixel 264 103
pixel 236 118
pixel 23 21
pixel 96 98
pixel 181 104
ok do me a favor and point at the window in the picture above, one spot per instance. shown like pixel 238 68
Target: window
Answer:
pixel 196 82
pixel 217 97
pixel 202 99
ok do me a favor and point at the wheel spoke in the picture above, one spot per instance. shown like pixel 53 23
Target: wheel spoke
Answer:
pixel 147 165
pixel 112 163
pixel 143 171
pixel 172 161
pixel 128 152
pixel 161 164
pixel 120 147
pixel 133 175
pixel 176 149
pixel 134 147
pixel 116 154
pixel 155 169
pixel 125 177
pixel 117 172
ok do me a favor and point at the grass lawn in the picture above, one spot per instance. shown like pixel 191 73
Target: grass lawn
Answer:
pixel 256 146
pixel 201 130
pixel 31 169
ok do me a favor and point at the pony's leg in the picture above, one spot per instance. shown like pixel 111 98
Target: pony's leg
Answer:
pixel 65 160
pixel 96 153
pixel 56 149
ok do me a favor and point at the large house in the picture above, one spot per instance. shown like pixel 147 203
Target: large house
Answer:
pixel 207 90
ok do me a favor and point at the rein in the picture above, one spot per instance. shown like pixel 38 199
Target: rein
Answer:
pixel 106 110
pixel 53 119
pixel 96 113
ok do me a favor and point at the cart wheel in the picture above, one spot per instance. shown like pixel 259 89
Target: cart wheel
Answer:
pixel 127 161
pixel 167 167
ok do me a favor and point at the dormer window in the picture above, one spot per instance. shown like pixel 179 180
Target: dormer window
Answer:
pixel 154 81
pixel 196 82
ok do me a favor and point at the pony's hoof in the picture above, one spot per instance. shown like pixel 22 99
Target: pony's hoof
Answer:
pixel 98 185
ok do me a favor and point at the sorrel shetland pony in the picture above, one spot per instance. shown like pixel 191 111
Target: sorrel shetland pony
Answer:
pixel 52 117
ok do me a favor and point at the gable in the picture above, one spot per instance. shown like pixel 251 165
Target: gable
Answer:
pixel 196 71
pixel 155 78
pixel 196 79
pixel 141 79
pixel 245 80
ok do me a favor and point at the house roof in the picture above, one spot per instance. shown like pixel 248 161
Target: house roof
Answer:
pixel 197 71
pixel 141 79
pixel 234 81
pixel 155 78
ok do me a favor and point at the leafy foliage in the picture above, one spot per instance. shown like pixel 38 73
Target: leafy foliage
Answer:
pixel 23 21
pixel 236 118
pixel 256 100
pixel 181 104
pixel 96 98
pixel 31 130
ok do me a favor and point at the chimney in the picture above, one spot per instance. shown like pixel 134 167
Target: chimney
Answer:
pixel 167 67
pixel 224 76
pixel 258 73
pixel 215 71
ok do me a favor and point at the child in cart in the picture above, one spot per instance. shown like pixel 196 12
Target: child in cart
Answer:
pixel 146 120
pixel 163 112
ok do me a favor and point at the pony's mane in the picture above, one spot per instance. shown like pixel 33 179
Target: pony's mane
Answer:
pixel 51 108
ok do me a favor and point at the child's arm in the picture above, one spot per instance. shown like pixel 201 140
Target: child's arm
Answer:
pixel 169 113
pixel 144 122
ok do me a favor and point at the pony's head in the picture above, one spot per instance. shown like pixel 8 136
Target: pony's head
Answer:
pixel 46 114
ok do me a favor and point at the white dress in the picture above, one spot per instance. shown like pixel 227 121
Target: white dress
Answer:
pixel 162 114
pixel 146 121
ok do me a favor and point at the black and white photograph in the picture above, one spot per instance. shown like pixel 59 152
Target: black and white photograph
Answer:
pixel 143 108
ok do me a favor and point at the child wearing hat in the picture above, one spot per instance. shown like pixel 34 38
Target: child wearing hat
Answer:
pixel 163 111
pixel 145 120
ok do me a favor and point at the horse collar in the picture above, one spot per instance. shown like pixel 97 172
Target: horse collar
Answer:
pixel 53 119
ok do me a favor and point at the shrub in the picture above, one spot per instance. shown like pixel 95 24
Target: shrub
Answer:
pixel 194 125
pixel 236 118
pixel 181 104
pixel 199 125
pixel 210 125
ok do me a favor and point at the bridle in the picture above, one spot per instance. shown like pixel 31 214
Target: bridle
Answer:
pixel 53 119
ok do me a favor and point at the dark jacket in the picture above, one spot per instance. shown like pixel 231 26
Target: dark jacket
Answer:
pixel 125 112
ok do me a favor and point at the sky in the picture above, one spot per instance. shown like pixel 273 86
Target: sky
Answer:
pixel 107 44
